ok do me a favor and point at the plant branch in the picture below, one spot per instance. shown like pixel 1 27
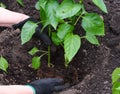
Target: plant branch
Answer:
pixel 43 51
pixel 77 20
pixel 83 37
pixel 49 49
pixel 43 54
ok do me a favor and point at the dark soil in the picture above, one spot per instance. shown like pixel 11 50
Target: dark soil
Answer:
pixel 91 68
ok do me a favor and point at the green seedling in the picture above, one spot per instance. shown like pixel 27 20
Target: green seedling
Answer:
pixel 20 2
pixel 63 17
pixel 116 81
pixel 36 59
pixel 2 5
pixel 3 64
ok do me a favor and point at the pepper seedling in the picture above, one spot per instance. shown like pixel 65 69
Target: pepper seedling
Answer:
pixel 61 19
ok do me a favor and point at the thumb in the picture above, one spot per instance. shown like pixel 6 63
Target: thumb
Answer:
pixel 45 39
pixel 61 87
pixel 42 36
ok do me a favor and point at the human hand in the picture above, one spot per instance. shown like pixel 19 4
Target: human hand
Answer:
pixel 38 34
pixel 48 85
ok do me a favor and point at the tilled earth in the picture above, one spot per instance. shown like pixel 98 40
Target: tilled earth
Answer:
pixel 89 72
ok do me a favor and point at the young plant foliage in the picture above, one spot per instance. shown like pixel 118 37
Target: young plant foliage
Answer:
pixel 36 62
pixel 33 51
pixel 20 2
pixel 27 31
pixel 67 9
pixel 116 81
pixel 61 19
pixel 72 44
pixel 93 23
pixel 3 64
pixel 2 5
pixel 56 40
pixel 101 5
pixel 64 29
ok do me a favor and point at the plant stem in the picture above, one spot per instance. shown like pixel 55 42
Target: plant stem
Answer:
pixel 83 37
pixel 49 56
pixel 49 31
pixel 77 20
pixel 42 51
pixel 43 54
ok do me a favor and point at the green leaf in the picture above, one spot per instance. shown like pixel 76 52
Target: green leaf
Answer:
pixel 27 31
pixel 3 64
pixel 50 11
pixel 93 23
pixel 20 2
pixel 64 29
pixel 33 51
pixel 67 9
pixel 72 44
pixel 37 5
pixel 43 17
pixel 55 39
pixel 115 75
pixel 82 10
pixel 92 38
pixel 42 3
pixel 101 5
pixel 116 88
pixel 36 62
pixel 115 92
pixel 2 5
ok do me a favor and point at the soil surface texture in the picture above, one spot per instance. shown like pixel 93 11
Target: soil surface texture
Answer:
pixel 89 72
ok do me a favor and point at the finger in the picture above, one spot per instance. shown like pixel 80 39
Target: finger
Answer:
pixel 54 81
pixel 45 39
pixel 62 87
pixel 42 36
pixel 57 81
